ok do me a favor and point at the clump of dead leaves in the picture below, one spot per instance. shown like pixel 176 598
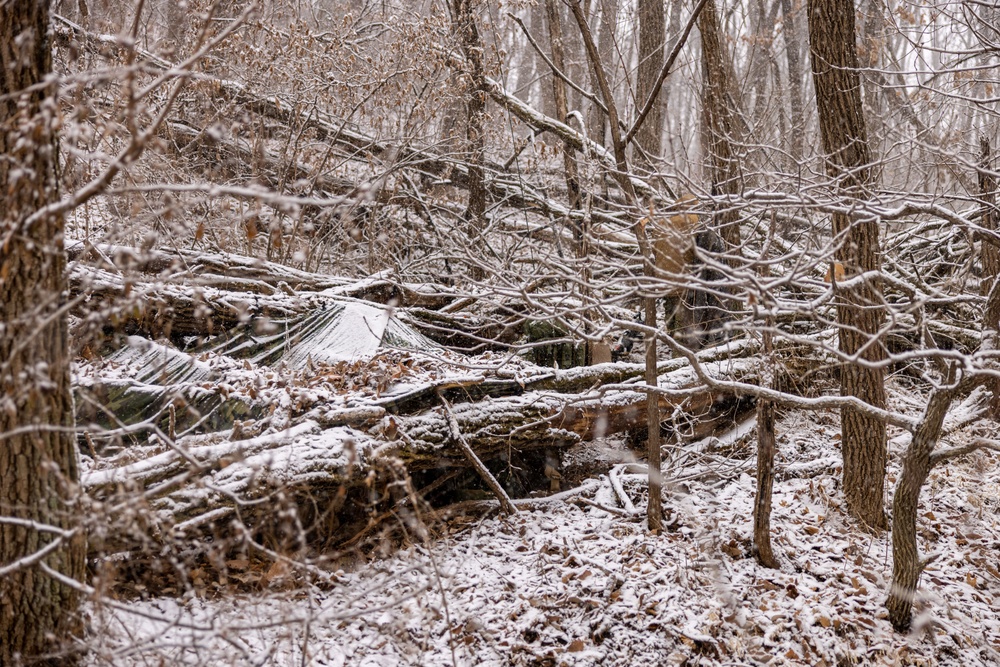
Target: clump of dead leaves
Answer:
pixel 372 376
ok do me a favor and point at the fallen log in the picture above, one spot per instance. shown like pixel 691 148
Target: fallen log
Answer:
pixel 112 301
pixel 108 300
pixel 221 270
pixel 233 157
pixel 462 331
pixel 239 273
pixel 103 407
pixel 200 482
pixel 196 301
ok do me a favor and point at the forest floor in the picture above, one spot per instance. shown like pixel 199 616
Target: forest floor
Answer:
pixel 576 585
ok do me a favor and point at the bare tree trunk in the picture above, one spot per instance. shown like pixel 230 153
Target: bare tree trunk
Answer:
pixel 468 34
pixel 721 128
pixel 561 105
pixel 654 507
pixel 918 461
pixel 859 309
pixel 571 169
pixel 38 456
pixel 990 257
pixel 538 74
pixel 757 57
pixel 765 460
pixel 597 123
pixel 652 19
pixel 673 34
pixel 649 302
pixel 793 53
pixel 872 33
pixel 906 565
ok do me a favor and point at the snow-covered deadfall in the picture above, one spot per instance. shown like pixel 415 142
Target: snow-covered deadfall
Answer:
pixel 571 584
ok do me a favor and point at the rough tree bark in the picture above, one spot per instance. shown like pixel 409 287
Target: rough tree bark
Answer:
pixel 793 57
pixel 920 457
pixel 562 107
pixel 597 119
pixel 537 73
pixel 654 507
pixel 990 254
pixel 859 312
pixel 720 119
pixel 918 461
pixel 917 464
pixel 38 457
pixel 468 35
pixel 652 19
pixel 571 169
pixel 759 56
pixel 765 459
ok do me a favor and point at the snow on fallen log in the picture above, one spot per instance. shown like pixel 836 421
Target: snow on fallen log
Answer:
pixel 541 419
pixel 199 482
pixel 107 299
pixel 239 273
pixel 340 399
pixel 329 327
pixel 157 309
pixel 222 270
pixel 185 455
pixel 303 459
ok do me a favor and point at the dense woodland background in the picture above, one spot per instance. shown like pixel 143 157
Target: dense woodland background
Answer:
pixel 361 305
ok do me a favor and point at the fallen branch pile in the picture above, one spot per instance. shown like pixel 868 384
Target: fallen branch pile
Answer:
pixel 249 417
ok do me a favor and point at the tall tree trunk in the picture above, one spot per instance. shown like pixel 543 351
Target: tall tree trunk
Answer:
pixel 597 121
pixel 672 122
pixel 757 58
pixel 765 459
pixel 990 255
pixel 793 53
pixel 571 169
pixel 652 20
pixel 539 73
pixel 38 456
pixel 871 36
pixel 468 35
pixel 859 309
pixel 655 517
pixel 720 121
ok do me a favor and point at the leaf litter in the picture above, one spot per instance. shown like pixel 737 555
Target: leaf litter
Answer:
pixel 572 584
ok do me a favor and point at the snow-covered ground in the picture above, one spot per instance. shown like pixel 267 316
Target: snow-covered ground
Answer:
pixel 574 585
